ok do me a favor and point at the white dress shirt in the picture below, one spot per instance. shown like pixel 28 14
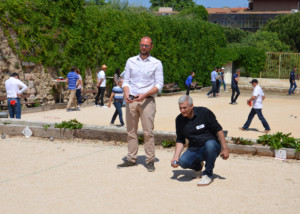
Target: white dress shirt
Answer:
pixel 258 101
pixel 13 86
pixel 142 75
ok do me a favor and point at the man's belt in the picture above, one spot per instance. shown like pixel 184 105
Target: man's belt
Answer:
pixel 131 97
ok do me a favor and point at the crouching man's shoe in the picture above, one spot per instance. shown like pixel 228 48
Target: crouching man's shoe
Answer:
pixel 204 181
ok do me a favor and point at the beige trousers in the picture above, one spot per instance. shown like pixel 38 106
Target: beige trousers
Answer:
pixel 146 111
pixel 72 98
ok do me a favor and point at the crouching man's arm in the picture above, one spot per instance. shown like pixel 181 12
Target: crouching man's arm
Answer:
pixel 178 149
pixel 225 152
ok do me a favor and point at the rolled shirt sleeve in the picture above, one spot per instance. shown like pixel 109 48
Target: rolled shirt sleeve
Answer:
pixel 159 77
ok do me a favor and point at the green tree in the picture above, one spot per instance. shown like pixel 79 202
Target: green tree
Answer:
pixel 287 28
pixel 197 12
pixel 177 5
pixel 235 35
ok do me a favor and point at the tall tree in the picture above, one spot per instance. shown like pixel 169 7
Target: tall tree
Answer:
pixel 177 5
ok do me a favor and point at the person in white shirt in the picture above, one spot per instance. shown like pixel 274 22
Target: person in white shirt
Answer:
pixel 143 78
pixel 14 88
pixel 101 85
pixel 257 97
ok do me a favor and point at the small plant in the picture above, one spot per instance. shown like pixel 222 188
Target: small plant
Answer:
pixel 242 141
pixel 168 143
pixel 279 140
pixel 17 65
pixel 37 104
pixel 140 140
pixel 46 126
pixel 6 123
pixel 71 124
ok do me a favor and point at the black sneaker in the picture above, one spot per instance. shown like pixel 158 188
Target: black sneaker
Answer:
pixel 126 164
pixel 150 167
pixel 68 110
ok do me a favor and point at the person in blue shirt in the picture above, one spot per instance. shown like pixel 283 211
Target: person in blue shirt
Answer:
pixel 213 79
pixel 235 86
pixel 292 81
pixel 118 96
pixel 188 82
pixel 73 81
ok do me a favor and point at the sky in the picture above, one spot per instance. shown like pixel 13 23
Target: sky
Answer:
pixel 205 3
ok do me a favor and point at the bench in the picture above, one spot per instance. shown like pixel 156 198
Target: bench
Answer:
pixel 171 87
pixel 195 85
pixel 88 94
pixel 3 103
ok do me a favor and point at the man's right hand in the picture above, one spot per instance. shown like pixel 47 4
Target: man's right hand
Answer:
pixel 172 162
pixel 127 98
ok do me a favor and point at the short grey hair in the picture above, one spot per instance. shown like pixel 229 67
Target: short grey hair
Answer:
pixel 185 98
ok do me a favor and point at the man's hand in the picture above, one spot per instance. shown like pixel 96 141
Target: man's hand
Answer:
pixel 127 98
pixel 224 154
pixel 172 162
pixel 140 97
pixel 109 104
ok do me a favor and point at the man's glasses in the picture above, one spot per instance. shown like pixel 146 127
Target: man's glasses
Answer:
pixel 144 46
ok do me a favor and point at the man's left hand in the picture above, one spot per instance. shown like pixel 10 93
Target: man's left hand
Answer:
pixel 225 154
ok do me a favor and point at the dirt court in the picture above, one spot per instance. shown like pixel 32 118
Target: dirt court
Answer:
pixel 39 176
pixel 282 113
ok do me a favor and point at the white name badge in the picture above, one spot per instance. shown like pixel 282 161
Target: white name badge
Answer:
pixel 200 126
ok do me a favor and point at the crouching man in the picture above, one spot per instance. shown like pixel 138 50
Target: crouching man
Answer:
pixel 206 140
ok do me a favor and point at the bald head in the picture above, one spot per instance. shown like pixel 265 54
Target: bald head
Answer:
pixel 146 39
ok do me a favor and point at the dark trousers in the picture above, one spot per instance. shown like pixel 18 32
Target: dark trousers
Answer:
pixel 218 84
pixel 101 91
pixel 14 110
pixel 118 106
pixel 78 96
pixel 292 84
pixel 208 153
pixel 187 90
pixel 260 116
pixel 213 89
pixel 235 89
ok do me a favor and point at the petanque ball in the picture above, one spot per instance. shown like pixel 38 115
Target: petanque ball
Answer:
pixel 3 136
pixel 51 139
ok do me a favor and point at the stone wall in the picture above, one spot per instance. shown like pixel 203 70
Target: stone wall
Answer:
pixel 39 80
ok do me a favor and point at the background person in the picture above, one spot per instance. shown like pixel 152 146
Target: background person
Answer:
pixel 257 97
pixel 235 86
pixel 116 76
pixel 188 82
pixel 206 140
pixel 143 78
pixel 79 88
pixel 213 79
pixel 117 94
pixel 223 78
pixel 14 88
pixel 101 85
pixel 292 81
pixel 72 81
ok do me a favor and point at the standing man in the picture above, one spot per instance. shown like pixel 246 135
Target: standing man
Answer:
pixel 13 92
pixel 101 85
pixel 188 82
pixel 223 78
pixel 235 86
pixel 142 80
pixel 257 97
pixel 213 79
pixel 206 140
pixel 73 81
pixel 292 81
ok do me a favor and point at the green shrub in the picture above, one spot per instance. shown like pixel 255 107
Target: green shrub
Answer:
pixel 71 124
pixel 279 140
pixel 242 141
pixel 168 143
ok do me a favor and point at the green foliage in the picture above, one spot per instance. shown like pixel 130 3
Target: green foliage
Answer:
pixel 140 140
pixel 235 35
pixel 177 5
pixel 242 141
pixel 71 124
pixel 71 32
pixel 168 143
pixel 287 28
pixel 267 41
pixel 197 12
pixel 279 140
pixel 46 126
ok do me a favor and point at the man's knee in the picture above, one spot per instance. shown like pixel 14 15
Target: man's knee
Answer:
pixel 212 147
pixel 184 163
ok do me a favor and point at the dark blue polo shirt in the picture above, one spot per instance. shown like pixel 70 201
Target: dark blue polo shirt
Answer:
pixel 234 82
